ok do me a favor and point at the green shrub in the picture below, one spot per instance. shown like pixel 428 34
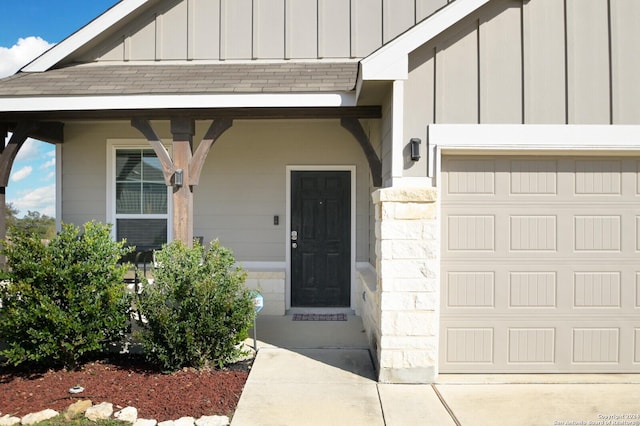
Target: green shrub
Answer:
pixel 64 301
pixel 197 309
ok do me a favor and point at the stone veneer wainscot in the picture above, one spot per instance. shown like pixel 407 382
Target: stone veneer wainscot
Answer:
pixel 408 273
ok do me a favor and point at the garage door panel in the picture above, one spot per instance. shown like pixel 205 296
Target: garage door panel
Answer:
pixel 540 346
pixel 470 289
pixel 543 178
pixel 541 232
pixel 531 345
pixel 471 177
pixel 532 289
pixel 533 177
pixel 563 287
pixel 541 264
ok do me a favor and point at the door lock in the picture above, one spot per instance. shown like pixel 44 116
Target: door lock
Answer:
pixel 294 235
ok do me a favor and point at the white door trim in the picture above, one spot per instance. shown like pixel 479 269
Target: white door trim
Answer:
pixel 328 168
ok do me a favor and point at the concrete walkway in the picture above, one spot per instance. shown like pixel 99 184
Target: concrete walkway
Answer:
pixel 321 373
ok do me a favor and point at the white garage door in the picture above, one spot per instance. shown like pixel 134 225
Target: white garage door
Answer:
pixel 540 264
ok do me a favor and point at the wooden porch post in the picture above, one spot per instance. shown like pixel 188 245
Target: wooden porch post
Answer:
pixel 183 130
pixel 182 172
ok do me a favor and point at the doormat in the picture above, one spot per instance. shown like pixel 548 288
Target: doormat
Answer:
pixel 319 317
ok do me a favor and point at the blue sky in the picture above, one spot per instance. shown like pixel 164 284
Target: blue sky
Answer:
pixel 29 27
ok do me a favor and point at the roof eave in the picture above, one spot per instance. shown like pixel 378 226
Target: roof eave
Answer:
pixel 390 62
pixel 176 101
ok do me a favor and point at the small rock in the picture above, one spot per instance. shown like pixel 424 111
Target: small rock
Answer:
pixel 145 422
pixel 77 408
pixel 167 423
pixel 184 421
pixel 99 412
pixel 40 416
pixel 213 421
pixel 128 414
pixel 8 420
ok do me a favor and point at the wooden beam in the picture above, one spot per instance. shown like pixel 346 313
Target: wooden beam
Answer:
pixel 374 111
pixel 217 128
pixel 375 165
pixel 49 131
pixel 4 131
pixel 8 155
pixel 154 140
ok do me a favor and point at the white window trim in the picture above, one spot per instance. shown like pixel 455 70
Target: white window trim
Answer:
pixel 112 146
pixel 328 168
pixel 514 139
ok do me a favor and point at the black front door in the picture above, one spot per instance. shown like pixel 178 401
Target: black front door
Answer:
pixel 320 238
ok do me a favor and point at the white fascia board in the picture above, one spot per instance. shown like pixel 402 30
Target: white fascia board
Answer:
pixel 552 137
pixel 72 43
pixel 84 103
pixel 390 62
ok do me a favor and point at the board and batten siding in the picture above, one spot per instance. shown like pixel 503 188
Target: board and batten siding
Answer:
pixel 261 29
pixel 530 62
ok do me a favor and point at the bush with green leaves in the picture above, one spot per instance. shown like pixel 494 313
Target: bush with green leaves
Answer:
pixel 65 301
pixel 197 310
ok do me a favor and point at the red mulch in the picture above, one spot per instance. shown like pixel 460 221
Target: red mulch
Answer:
pixel 126 383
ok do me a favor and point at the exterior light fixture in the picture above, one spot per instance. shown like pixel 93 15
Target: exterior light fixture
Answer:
pixel 415 149
pixel 178 177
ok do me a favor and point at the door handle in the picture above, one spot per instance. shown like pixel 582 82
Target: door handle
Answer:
pixel 294 245
pixel 294 235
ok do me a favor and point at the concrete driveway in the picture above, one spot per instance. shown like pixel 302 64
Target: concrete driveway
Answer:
pixel 329 379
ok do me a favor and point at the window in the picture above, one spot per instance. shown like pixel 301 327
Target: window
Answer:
pixel 141 213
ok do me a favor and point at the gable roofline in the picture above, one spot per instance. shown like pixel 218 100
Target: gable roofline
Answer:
pixel 391 61
pixel 84 35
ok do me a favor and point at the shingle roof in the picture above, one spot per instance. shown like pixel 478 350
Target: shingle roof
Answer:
pixel 122 79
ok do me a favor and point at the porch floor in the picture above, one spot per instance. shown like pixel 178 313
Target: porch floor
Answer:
pixel 283 332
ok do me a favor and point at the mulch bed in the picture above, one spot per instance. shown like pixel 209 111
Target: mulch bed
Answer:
pixel 126 381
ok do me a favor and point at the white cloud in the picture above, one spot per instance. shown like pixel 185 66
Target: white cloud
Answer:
pixel 41 199
pixel 49 176
pixel 17 56
pixel 22 173
pixel 29 150
pixel 48 164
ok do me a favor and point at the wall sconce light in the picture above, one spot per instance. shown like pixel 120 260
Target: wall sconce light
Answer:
pixel 178 177
pixel 415 149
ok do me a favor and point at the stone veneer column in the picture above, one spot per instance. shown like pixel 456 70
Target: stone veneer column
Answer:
pixel 408 269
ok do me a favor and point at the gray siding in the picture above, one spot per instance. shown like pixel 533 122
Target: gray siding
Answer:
pixel 625 61
pixel 260 29
pixel 529 62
